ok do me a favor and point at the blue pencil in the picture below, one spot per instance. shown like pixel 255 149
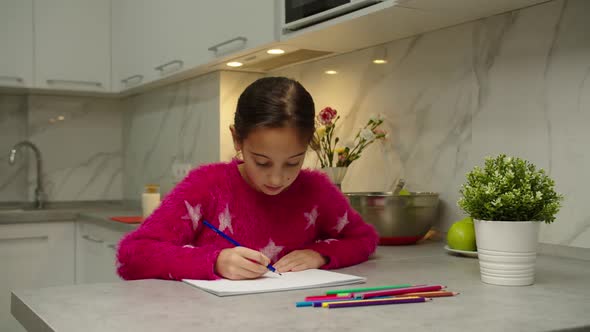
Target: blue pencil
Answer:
pixel 234 242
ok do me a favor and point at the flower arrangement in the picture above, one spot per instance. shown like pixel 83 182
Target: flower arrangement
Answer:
pixel 509 189
pixel 325 143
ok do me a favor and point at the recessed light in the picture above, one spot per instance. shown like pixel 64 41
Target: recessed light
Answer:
pixel 275 51
pixel 234 64
pixel 380 56
pixel 331 72
pixel 61 118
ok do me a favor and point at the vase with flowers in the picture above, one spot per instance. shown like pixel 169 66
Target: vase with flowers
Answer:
pixel 334 158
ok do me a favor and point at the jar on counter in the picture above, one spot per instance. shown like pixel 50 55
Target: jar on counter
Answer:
pixel 150 199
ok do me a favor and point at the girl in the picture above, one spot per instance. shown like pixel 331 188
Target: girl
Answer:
pixel 291 218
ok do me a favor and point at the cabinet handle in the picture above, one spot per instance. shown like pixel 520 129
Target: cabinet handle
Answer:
pixel 126 81
pixel 25 238
pixel 215 48
pixel 161 67
pixel 12 78
pixel 91 83
pixel 112 246
pixel 90 238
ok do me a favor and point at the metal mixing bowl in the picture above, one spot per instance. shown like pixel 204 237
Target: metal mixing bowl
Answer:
pixel 398 219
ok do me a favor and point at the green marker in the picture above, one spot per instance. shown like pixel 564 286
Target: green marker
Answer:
pixel 366 289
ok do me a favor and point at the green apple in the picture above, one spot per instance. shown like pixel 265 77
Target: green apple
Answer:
pixel 466 219
pixel 461 236
pixel 404 192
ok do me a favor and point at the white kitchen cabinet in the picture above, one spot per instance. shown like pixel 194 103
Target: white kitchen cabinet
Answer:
pixel 33 255
pixel 96 248
pixel 133 26
pixel 16 38
pixel 155 39
pixel 72 44
pixel 237 25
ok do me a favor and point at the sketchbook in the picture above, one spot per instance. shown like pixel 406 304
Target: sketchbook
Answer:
pixel 272 282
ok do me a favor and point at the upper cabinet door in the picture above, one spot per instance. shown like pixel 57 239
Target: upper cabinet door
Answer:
pixel 196 34
pixel 237 25
pixel 134 24
pixel 72 44
pixel 16 38
pixel 154 39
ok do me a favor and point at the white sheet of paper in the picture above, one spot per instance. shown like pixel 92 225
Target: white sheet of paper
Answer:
pixel 272 282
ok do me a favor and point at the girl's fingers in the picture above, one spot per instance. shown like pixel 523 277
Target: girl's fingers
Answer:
pixel 249 274
pixel 283 263
pixel 300 267
pixel 249 259
pixel 254 255
pixel 288 264
pixel 239 273
pixel 251 266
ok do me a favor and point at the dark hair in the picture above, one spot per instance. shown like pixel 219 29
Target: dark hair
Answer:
pixel 275 102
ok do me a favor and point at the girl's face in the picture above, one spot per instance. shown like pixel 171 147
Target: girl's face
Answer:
pixel 272 158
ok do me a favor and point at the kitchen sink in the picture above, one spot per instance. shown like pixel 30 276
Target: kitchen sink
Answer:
pixel 20 208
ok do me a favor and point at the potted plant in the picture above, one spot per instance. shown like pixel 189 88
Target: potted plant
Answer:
pixel 508 199
pixel 335 159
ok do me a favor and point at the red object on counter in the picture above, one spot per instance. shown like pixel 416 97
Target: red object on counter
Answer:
pixel 128 219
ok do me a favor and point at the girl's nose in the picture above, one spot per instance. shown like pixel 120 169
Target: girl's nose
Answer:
pixel 276 179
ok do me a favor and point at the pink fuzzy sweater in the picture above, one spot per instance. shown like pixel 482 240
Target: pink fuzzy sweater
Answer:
pixel 312 213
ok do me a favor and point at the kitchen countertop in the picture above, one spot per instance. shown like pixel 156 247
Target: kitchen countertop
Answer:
pixel 559 299
pixel 97 211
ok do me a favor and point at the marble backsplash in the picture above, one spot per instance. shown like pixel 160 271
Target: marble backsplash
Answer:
pixel 184 123
pixel 517 83
pixel 178 123
pixel 13 128
pixel 80 139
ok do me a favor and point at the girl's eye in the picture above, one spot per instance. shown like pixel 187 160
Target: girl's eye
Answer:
pixel 262 164
pixel 292 165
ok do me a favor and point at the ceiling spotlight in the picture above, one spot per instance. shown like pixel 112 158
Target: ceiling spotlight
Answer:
pixel 379 61
pixel 234 64
pixel 275 51
pixel 331 72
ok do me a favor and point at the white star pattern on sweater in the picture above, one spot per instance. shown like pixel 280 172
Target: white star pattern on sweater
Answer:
pixel 311 217
pixel 194 214
pixel 342 221
pixel 326 240
pixel 271 250
pixel 225 220
pixel 188 246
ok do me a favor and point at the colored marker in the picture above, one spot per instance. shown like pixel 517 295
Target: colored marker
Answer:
pixel 400 291
pixel 318 303
pixel 367 289
pixel 384 301
pixel 327 297
pixel 432 294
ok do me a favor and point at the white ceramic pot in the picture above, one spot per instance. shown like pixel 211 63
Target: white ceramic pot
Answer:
pixel 507 251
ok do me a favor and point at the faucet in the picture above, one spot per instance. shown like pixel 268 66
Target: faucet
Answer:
pixel 39 193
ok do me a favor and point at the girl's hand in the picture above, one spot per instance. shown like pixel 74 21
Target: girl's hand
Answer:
pixel 241 263
pixel 299 260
